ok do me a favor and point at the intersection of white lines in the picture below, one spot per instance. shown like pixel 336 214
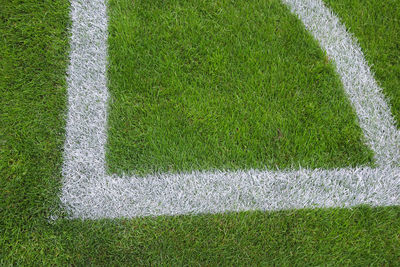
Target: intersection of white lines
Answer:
pixel 88 192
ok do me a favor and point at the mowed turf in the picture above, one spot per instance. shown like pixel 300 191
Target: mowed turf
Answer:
pixel 376 25
pixel 33 53
pixel 200 85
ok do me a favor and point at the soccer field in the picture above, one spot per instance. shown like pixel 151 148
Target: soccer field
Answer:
pixel 196 107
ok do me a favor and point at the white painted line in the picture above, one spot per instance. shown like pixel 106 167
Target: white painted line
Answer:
pixel 89 193
pixel 197 192
pixel 375 117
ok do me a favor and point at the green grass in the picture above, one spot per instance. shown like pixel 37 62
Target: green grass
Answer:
pixel 376 25
pixel 223 85
pixel 33 60
pixel 33 45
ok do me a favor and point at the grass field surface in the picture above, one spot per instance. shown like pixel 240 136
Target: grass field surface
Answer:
pixel 200 85
pixel 379 37
pixel 33 53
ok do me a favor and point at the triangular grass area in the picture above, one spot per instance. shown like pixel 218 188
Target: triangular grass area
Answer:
pixel 203 85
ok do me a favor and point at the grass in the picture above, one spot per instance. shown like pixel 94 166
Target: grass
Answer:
pixel 32 108
pixel 223 85
pixel 361 236
pixel 376 24
pixel 33 60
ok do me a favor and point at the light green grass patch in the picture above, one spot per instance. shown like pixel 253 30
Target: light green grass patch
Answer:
pixel 223 85
pixel 376 25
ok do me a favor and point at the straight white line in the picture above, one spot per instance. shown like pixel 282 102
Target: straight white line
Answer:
pixel 218 192
pixel 86 136
pixel 89 193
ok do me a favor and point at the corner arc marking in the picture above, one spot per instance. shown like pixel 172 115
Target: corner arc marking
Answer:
pixel 89 193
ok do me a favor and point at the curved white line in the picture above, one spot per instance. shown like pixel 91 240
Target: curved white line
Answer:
pixel 375 117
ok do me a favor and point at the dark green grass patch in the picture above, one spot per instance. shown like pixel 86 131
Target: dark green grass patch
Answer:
pixel 362 236
pixel 33 60
pixel 376 25
pixel 33 46
pixel 223 85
